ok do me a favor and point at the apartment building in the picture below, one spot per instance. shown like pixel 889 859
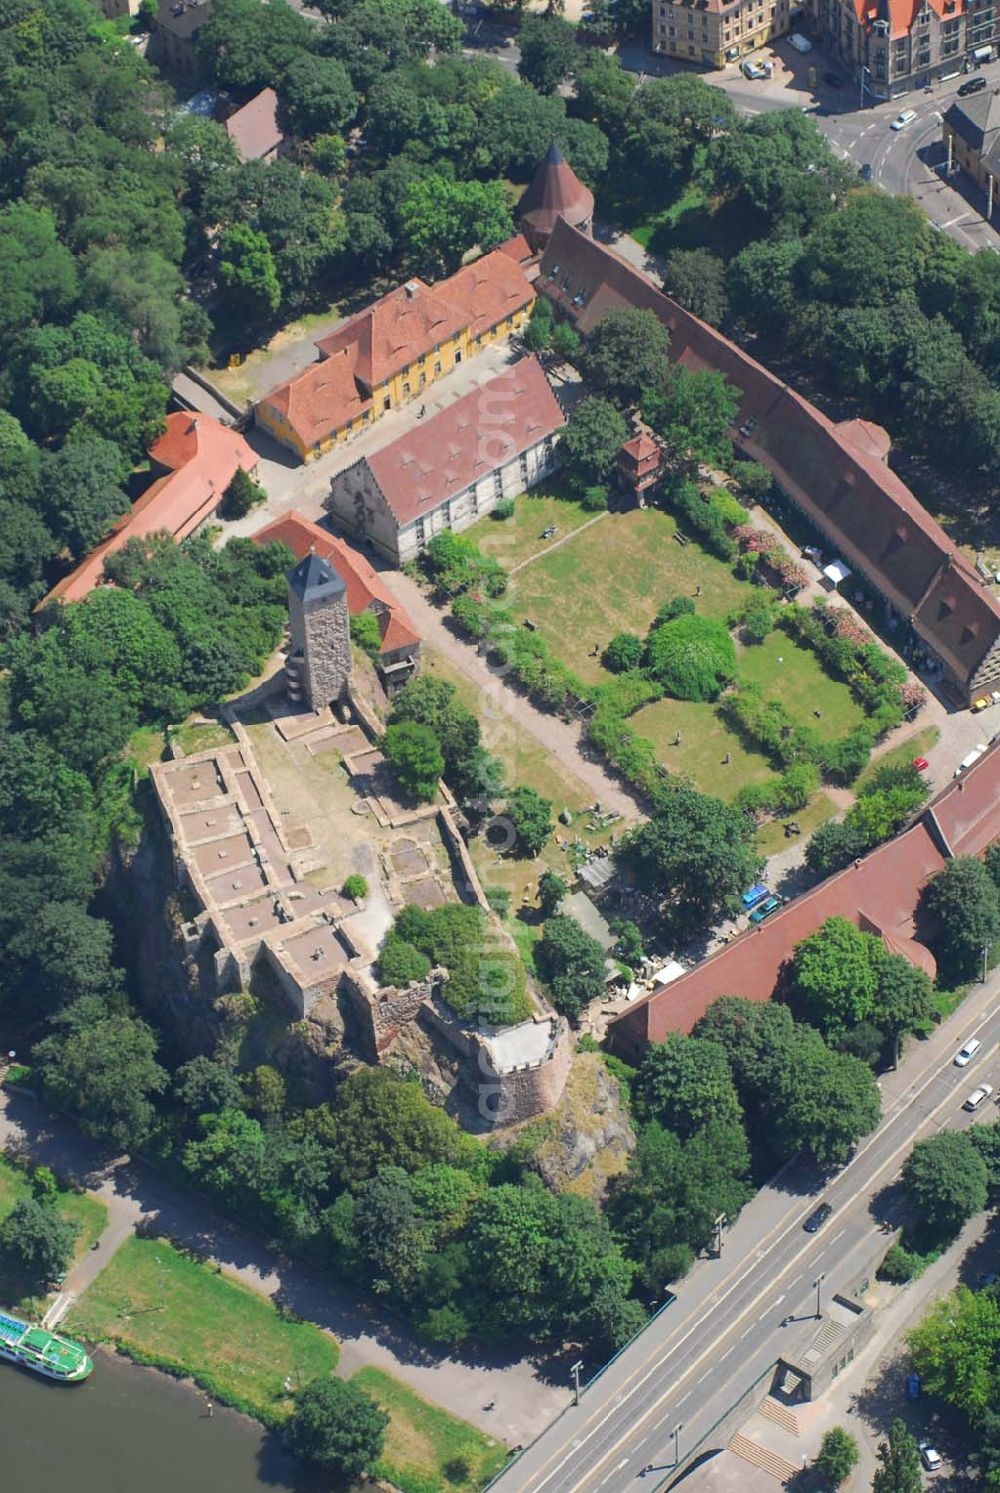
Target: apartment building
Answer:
pixel 714 32
pixel 892 46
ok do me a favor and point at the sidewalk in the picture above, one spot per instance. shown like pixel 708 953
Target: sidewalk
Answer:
pixel 525 1401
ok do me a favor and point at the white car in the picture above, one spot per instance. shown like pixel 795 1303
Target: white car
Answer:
pixel 930 1458
pixel 751 70
pixel 978 1096
pixel 965 1054
pixel 902 120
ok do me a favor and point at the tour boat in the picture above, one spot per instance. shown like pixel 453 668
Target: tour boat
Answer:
pixel 42 1351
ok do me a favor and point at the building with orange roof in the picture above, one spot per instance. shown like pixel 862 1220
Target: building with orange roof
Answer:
pixel 495 442
pixel 904 44
pixel 879 894
pixel 555 191
pixel 836 475
pixel 366 591
pixel 197 458
pixel 714 32
pixel 971 133
pixel 255 130
pixel 640 463
pixel 393 349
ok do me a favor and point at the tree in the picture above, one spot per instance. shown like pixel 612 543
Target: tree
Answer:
pixel 337 1426
pixel 548 49
pixel 697 278
pixel 203 1085
pixel 625 354
pixel 245 46
pixel 903 993
pixel 590 442
pixel 838 1455
pixel 696 854
pixel 684 1083
pixel 36 1245
pixel 441 219
pixel 692 657
pixel 248 278
pixel 948 1181
pixel 571 963
pixel 242 494
pixel 833 977
pixel 693 410
pixel 102 1068
pixel 80 488
pixel 551 890
pixel 624 652
pixel 414 753
pixel 963 904
pixel 472 774
pixel 318 95
pixel 566 342
pixel 355 887
pixel 821 1101
pixel 954 1351
pixel 900 1459
pixel 531 818
pixel 37 272
pixel 391 1233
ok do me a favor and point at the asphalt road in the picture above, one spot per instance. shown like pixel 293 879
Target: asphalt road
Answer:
pixel 725 1329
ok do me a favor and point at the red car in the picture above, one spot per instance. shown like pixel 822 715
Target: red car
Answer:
pixel 920 763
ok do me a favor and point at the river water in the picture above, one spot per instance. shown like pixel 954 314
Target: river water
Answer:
pixel 130 1430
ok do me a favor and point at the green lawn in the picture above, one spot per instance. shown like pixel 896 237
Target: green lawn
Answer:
pixel 426 1449
pixel 771 837
pixel 794 675
pixel 917 745
pixel 80 1208
pixel 517 538
pixel 201 736
pixel 145 746
pixel 163 1307
pixel 705 740
pixel 614 577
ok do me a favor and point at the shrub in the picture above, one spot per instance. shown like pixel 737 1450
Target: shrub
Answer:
pixel 485 978
pixel 624 652
pixel 901 1265
pixel 710 514
pixel 365 633
pixel 415 755
pixel 503 510
pixel 753 480
pixel 400 962
pixel 594 499
pixel 692 657
pixel 355 887
pixel 838 1455
pixel 242 494
pixel 499 899
pixel 675 606
pixel 454 563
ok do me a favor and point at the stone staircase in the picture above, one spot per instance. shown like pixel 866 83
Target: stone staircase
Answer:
pixel 760 1456
pixel 782 1415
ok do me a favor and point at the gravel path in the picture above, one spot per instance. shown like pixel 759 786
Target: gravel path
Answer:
pixel 555 735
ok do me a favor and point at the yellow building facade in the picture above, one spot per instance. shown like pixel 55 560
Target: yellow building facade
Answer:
pixel 713 33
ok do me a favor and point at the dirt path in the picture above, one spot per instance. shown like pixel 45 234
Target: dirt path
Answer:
pixel 573 534
pixel 555 735
pixel 525 1402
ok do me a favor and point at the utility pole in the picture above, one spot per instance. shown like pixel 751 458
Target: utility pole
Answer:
pixel 861 103
pixel 575 1371
pixel 717 1233
pixel 676 1433
pixel 989 205
pixel 951 143
pixel 818 1283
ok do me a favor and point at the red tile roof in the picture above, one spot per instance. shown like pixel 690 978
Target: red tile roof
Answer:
pixel 516 248
pixel 200 455
pixel 364 585
pixel 880 894
pixel 485 429
pixel 555 191
pixel 837 474
pixel 901 14
pixel 392 333
pixel 254 129
pixel 640 447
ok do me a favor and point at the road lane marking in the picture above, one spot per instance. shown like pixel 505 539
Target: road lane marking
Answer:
pixel 704 1376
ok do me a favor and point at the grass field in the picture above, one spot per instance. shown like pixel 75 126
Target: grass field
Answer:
pixel 613 578
pixel 426 1449
pixel 917 745
pixel 80 1208
pixel 162 1307
pixel 202 736
pixel 795 676
pixel 517 538
pixel 705 740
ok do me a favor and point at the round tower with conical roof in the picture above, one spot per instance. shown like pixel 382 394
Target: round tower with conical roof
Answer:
pixel 319 659
pixel 555 191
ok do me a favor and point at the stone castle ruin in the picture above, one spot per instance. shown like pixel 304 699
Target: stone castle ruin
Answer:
pixel 263 835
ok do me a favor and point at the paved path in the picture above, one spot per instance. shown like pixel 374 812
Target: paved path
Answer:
pixel 555 735
pixel 525 1402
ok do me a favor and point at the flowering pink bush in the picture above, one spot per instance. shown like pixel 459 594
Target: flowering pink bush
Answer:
pixel 912 695
pixel 847 626
pixel 752 540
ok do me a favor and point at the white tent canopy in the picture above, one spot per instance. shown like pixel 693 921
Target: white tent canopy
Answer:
pixel 836 572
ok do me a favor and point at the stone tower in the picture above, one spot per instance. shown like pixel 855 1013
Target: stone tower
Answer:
pixel 319 660
pixel 555 191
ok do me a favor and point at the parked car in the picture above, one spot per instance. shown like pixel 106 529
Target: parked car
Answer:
pixel 800 43
pixel 920 763
pixel 974 85
pixel 913 1386
pixel 983 702
pixel 903 119
pixel 930 1458
pixel 754 895
pixel 978 1096
pixel 751 70
pixel 965 1054
pixel 817 1218
pixel 765 909
pixel 970 758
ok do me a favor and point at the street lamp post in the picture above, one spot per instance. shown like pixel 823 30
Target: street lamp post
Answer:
pixel 676 1433
pixel 717 1229
pixel 818 1283
pixel 575 1371
pixel 861 103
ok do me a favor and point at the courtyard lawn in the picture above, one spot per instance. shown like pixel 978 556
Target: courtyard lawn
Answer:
pixel 771 837
pixel 705 740
pixel 526 763
pixel 917 745
pixel 795 676
pixel 202 736
pixel 614 577
pixel 426 1449
pixel 166 1308
pixel 512 540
